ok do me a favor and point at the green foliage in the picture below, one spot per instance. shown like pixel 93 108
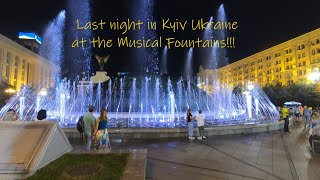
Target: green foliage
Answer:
pixel 4 96
pixel 238 90
pixel 306 93
pixel 84 166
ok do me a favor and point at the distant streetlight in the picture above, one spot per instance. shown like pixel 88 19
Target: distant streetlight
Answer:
pixel 43 92
pixel 10 91
pixel 250 86
pixel 246 93
pixel 314 76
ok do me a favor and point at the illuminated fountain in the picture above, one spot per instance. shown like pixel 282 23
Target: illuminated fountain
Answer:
pixel 164 61
pixel 143 99
pixel 148 101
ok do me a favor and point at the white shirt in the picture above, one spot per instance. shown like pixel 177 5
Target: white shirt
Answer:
pixel 200 119
pixel 316 130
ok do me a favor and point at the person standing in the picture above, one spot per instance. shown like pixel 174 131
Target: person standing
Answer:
pixel 301 113
pixel 297 115
pixel 190 124
pixel 285 115
pixel 101 132
pixel 200 119
pixel 42 115
pixel 89 122
pixel 315 134
pixel 314 120
pixel 307 117
pixel 10 115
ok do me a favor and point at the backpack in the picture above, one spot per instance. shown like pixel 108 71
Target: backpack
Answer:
pixel 80 124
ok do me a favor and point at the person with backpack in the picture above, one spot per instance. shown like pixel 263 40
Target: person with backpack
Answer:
pixel 80 128
pixel 89 122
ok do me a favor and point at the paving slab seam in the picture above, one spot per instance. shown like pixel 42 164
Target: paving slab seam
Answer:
pixel 272 150
pixel 198 167
pixel 219 177
pixel 255 137
pixel 290 161
pixel 263 139
pixel 291 164
pixel 202 142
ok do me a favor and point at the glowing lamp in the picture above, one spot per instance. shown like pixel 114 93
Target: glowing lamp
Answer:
pixel 314 76
pixel 10 91
pixel 43 92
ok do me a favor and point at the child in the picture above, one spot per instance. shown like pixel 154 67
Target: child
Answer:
pixel 200 120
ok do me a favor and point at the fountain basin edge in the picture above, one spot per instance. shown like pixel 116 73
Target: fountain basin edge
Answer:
pixel 133 133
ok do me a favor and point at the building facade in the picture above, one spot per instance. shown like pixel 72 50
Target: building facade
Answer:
pixel 20 66
pixel 285 63
pixel 205 77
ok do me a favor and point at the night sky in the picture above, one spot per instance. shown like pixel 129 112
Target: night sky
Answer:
pixel 262 23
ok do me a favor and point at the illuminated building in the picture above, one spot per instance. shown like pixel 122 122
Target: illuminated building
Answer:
pixel 285 63
pixel 20 66
pixel 30 41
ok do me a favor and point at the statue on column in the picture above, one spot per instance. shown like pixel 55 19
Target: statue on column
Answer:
pixel 102 61
pixel 101 75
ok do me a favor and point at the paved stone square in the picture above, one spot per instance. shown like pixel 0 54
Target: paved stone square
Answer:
pixel 267 155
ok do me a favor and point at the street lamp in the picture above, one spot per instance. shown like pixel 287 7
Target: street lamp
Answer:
pixel 250 86
pixel 248 94
pixel 314 76
pixel 10 91
pixel 249 101
pixel 43 92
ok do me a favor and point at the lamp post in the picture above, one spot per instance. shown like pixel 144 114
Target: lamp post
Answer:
pixel 10 91
pixel 248 95
pixel 314 76
pixel 43 92
pixel 249 105
pixel 22 102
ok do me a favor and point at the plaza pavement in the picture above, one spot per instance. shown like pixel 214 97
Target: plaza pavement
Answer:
pixel 266 155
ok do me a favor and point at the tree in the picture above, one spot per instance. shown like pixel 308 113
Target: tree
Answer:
pixel 306 93
pixel 3 95
pixel 238 90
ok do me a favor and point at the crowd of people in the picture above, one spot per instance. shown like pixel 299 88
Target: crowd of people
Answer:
pixel 303 115
pixel 95 130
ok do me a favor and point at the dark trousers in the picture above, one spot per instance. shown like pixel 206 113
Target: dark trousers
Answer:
pixel 313 137
pixel 201 131
pixel 286 124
